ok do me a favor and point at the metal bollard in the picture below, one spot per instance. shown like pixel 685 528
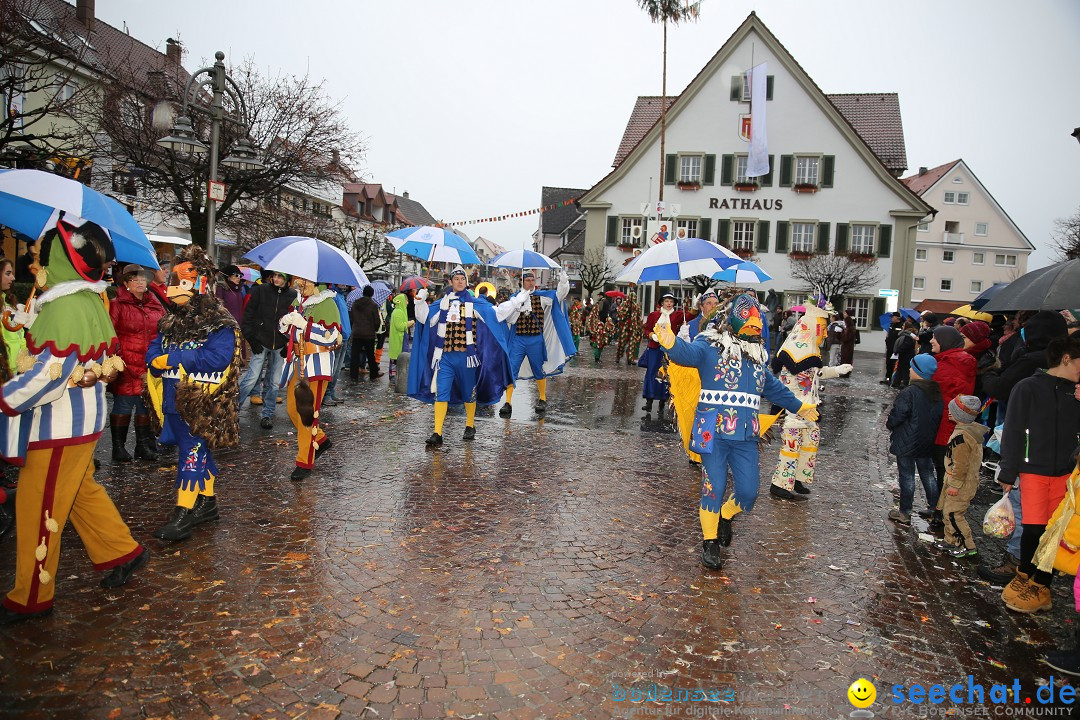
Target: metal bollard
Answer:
pixel 402 385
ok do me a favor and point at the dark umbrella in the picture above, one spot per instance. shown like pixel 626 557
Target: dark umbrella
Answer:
pixel 414 282
pixel 1051 288
pixel 987 294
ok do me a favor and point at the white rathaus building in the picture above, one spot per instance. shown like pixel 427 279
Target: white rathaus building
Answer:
pixel 833 186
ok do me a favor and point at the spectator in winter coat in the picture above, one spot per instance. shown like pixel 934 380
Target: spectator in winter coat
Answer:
pixel 366 325
pixel 848 339
pixel 977 344
pixel 269 302
pixel 232 292
pixel 135 313
pixel 1037 332
pixel 913 421
pixel 962 463
pixel 1042 426
pixel 926 333
pixel 906 347
pixel 834 333
pixel 891 336
pixel 331 398
pixel 955 376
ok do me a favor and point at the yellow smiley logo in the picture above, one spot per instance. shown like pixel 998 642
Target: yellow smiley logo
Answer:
pixel 862 693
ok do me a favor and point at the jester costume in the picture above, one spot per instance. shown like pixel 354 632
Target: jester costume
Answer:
pixel 799 365
pixel 314 331
pixel 539 332
pixel 730 359
pixel 192 382
pixel 600 331
pixel 54 410
pixel 628 329
pixel 460 354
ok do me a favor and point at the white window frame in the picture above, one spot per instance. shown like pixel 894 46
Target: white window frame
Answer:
pixel 743 234
pixel 950 197
pixel 978 258
pixel 860 309
pixel 976 290
pixel 985 229
pixel 687 168
pixel 626 237
pixel 791 299
pixel 963 198
pixel 920 254
pixel 742 162
pixel 689 226
pixel 948 256
pixel 803 233
pixel 1004 260
pixel 862 239
pixel 808 170
pixel 923 227
pixel 941 285
pixel 918 283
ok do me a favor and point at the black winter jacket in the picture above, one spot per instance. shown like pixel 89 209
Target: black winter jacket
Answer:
pixel 264 308
pixel 1039 330
pixel 365 318
pixel 914 419
pixel 1042 428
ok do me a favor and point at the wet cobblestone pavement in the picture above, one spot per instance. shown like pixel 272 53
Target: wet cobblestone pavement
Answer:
pixel 519 576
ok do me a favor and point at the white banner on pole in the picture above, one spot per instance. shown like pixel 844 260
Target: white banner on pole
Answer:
pixel 757 163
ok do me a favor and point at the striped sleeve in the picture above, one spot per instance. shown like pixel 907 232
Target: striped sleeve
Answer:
pixel 36 386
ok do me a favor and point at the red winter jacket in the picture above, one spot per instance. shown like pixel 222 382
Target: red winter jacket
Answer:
pixel 955 376
pixel 136 324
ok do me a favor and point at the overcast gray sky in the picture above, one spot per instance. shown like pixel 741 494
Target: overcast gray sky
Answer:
pixel 472 106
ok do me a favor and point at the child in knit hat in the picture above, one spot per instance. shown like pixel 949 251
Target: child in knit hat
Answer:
pixel 914 420
pixel 962 461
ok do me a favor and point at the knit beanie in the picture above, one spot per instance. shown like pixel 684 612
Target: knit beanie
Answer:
pixel 965 408
pixel 948 337
pixel 924 365
pixel 978 333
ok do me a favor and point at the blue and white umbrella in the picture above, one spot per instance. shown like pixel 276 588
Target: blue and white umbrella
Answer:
pixel 679 260
pixel 432 244
pixel 523 259
pixel 31 200
pixel 382 291
pixel 744 272
pixel 309 258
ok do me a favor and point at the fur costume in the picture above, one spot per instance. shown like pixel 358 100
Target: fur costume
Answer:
pixel 628 328
pixel 799 366
pixel 53 413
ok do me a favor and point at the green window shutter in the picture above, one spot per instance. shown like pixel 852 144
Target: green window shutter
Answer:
pixel 723 233
pixel 671 167
pixel 763 236
pixel 828 164
pixel 613 230
pixel 782 236
pixel 727 169
pixel 768 87
pixel 766 180
pixel 879 310
pixel 710 170
pixel 736 87
pixel 884 246
pixel 705 228
pixel 823 237
pixel 841 238
pixel 786 163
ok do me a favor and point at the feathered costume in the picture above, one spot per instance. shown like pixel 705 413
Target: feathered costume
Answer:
pixel 53 413
pixel 193 371
pixel 799 366
pixel 730 360
pixel 628 329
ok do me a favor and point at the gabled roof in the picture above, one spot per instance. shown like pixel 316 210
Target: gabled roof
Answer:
pixel 487 246
pixel 922 182
pixel 413 212
pixel 557 220
pixel 876 117
pixel 576 240
pixel 645 114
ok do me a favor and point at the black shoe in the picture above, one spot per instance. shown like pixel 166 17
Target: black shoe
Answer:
pixel 266 423
pixel 325 445
pixel 723 532
pixel 540 407
pixel 205 509
pixel 925 514
pixel 470 433
pixel 505 410
pixel 801 489
pixel 179 526
pixel 120 574
pixel 145 443
pixel 647 407
pixel 782 494
pixel 937 521
pixel 376 376
pixel 119 438
pixel 434 441
pixel 1003 573
pixel 300 473
pixel 10 617
pixel 883 382
pixel 710 555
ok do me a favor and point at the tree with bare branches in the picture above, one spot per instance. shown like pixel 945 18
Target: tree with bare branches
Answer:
pixel 835 275
pixel 596 271
pixel 1066 237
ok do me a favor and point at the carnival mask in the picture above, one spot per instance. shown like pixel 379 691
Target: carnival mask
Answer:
pixel 184 283
pixel 306 288
pixel 745 317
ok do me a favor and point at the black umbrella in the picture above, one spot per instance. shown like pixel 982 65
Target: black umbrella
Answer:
pixel 1050 288
pixel 986 295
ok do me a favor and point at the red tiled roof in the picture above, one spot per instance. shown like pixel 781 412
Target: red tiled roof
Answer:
pixel 921 182
pixel 645 114
pixel 938 307
pixel 876 118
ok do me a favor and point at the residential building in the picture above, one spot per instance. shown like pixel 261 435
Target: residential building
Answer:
pixel 970 244
pixel 551 233
pixel 832 189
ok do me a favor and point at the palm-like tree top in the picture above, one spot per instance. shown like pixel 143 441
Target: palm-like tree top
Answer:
pixel 673 11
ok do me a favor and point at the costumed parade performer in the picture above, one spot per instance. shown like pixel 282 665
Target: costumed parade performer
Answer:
pixel 730 358
pixel 628 328
pixel 54 411
pixel 799 366
pixel 653 387
pixel 460 354
pixel 600 329
pixel 678 375
pixel 539 332
pixel 191 388
pixel 314 331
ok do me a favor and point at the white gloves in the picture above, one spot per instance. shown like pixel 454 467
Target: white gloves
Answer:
pixel 421 294
pixel 292 319
pixel 844 369
pixel 524 299
pixel 563 277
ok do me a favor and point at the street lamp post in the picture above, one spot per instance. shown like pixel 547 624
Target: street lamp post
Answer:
pixel 182 137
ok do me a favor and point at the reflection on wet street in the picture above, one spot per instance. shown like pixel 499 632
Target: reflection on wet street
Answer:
pixel 535 572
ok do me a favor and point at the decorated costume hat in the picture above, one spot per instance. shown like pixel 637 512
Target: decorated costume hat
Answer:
pixel 458 270
pixel 802 348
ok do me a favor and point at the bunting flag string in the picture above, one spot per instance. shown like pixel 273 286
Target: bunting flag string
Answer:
pixel 509 216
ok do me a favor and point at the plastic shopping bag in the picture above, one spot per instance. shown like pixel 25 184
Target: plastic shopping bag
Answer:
pixel 994 443
pixel 1000 521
